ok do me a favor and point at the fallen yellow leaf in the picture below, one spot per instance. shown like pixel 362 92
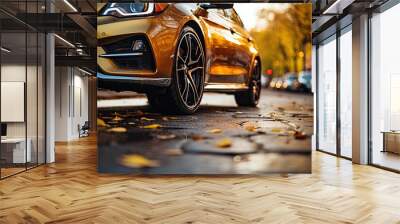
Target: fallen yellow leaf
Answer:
pixel 276 130
pixel 224 143
pixel 118 130
pixel 174 152
pixel 101 123
pixel 138 161
pixel 166 137
pixel 152 126
pixel 197 137
pixel 215 131
pixel 146 119
pixel 251 127
pixel 117 118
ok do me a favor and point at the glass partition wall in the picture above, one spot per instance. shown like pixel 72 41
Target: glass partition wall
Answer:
pixel 22 87
pixel 385 89
pixel 334 104
pixel 327 95
pixel 345 92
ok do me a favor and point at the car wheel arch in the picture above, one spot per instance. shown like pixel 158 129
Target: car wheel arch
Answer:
pixel 199 31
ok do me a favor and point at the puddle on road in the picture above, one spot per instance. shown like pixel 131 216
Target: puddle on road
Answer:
pixel 257 139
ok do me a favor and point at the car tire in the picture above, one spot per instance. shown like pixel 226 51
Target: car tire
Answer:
pixel 250 97
pixel 184 94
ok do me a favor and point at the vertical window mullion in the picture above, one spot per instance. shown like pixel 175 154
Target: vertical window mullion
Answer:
pixel 26 85
pixel 37 90
pixel 0 92
pixel 317 96
pixel 338 98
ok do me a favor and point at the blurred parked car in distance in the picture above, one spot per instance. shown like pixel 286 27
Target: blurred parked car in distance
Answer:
pixel 290 82
pixel 305 81
pixel 276 83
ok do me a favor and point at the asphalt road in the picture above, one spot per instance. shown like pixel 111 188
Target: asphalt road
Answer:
pixel 220 138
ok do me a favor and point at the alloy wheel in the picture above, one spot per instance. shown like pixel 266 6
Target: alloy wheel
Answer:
pixel 189 69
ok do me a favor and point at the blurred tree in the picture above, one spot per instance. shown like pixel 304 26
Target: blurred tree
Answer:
pixel 285 42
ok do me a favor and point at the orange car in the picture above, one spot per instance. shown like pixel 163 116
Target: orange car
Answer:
pixel 175 52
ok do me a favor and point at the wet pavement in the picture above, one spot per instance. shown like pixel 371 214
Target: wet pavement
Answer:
pixel 220 138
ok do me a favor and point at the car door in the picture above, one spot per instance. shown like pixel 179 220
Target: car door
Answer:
pixel 222 47
pixel 242 56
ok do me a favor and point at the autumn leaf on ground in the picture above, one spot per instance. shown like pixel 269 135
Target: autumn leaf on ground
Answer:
pixel 237 159
pixel 152 126
pixel 101 123
pixel 251 127
pixel 224 143
pixel 166 136
pixel 197 137
pixel 174 152
pixel 276 130
pixel 300 135
pixel 118 130
pixel 146 119
pixel 292 125
pixel 138 161
pixel 117 118
pixel 215 131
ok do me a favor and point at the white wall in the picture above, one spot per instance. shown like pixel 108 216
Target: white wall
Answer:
pixel 33 126
pixel 71 103
pixel 14 73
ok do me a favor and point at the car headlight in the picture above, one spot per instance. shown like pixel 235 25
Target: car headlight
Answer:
pixel 133 9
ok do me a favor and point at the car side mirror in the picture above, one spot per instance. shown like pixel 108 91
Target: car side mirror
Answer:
pixel 216 5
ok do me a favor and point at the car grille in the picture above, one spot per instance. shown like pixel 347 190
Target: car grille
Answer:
pixel 124 46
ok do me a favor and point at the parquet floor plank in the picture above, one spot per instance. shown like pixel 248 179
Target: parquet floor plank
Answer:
pixel 71 191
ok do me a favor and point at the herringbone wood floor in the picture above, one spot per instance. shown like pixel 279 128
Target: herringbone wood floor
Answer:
pixel 70 191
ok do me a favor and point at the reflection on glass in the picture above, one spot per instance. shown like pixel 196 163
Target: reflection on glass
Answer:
pixel 14 153
pixel 31 97
pixel 327 96
pixel 346 94
pixel 385 89
pixel 22 90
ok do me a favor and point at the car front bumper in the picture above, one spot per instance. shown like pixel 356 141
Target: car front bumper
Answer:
pixel 159 33
pixel 139 84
